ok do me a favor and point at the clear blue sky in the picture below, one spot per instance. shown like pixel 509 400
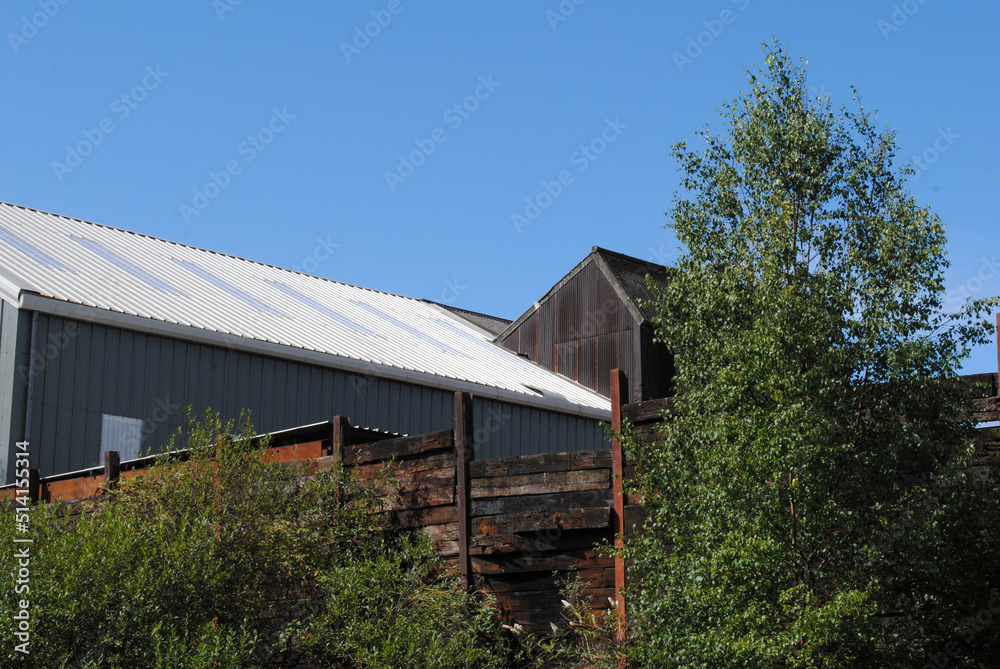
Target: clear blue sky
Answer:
pixel 200 78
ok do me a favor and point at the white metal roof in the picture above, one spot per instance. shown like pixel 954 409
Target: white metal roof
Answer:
pixel 54 264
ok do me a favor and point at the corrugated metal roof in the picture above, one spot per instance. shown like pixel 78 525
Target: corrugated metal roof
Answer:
pixel 492 324
pixel 122 272
pixel 630 273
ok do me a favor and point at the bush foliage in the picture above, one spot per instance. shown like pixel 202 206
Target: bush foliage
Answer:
pixel 223 559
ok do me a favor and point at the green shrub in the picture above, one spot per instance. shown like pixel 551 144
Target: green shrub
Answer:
pixel 224 559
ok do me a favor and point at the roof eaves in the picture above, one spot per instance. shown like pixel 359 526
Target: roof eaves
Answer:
pixel 34 302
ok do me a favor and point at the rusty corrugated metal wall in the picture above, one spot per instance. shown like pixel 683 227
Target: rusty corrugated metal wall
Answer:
pixel 583 331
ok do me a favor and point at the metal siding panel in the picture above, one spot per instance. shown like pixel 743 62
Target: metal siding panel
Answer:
pixel 244 392
pixel 256 388
pixel 125 367
pixel 382 409
pixel 343 394
pixel 609 347
pixel 153 373
pixel 64 366
pixel 586 364
pixel 438 408
pixel 269 392
pixel 479 410
pixel 139 359
pixel 14 344
pixel 80 345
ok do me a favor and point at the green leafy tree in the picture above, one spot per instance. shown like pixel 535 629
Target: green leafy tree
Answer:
pixel 813 501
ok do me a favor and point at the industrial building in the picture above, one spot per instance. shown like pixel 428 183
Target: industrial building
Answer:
pixel 106 335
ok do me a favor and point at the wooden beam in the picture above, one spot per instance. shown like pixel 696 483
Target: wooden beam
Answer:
pixel 112 469
pixel 340 436
pixel 34 486
pixel 464 453
pixel 399 447
pixel 619 395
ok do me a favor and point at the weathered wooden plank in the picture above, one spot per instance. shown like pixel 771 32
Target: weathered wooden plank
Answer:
pixel 294 452
pixel 597 577
pixel 404 475
pixel 535 464
pixel 553 562
pixel 549 519
pixel 987 408
pixel 544 483
pixel 635 516
pixel 419 517
pixel 979 385
pixel 492 506
pixel 650 410
pixel 77 487
pixel 443 532
pixel 538 542
pixel 399 447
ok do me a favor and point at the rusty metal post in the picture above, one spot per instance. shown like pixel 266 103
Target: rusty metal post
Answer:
pixel 463 454
pixel 619 393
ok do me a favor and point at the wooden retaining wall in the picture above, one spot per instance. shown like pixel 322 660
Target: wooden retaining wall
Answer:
pixel 514 527
pixel 505 525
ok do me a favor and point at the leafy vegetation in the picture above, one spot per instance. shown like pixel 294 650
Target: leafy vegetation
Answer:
pixel 813 501
pixel 224 559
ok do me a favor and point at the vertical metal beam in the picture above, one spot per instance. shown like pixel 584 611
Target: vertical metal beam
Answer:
pixel 112 468
pixel 619 395
pixel 998 355
pixel 464 453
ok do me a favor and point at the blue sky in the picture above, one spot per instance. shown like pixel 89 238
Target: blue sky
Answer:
pixel 300 130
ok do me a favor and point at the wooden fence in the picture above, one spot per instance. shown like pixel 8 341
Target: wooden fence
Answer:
pixel 515 527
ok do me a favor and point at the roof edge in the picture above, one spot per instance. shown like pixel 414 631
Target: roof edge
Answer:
pixel 548 294
pixel 55 307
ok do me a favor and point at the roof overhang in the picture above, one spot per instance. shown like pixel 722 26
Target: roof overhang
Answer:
pixel 29 301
